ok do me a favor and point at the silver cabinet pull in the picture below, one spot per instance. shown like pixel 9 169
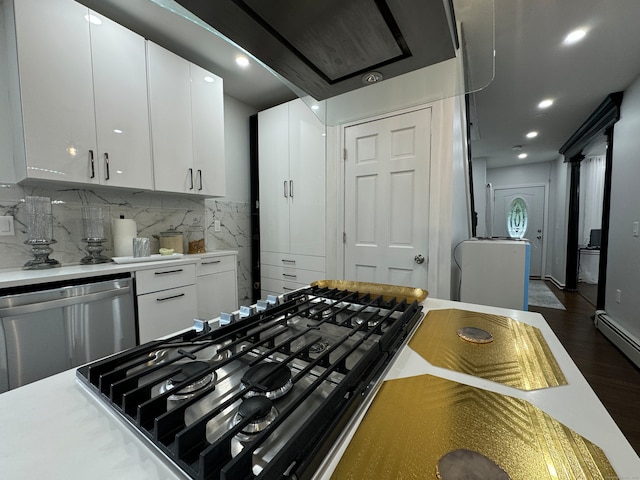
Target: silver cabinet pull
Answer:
pixel 92 164
pixel 285 189
pixel 291 188
pixel 191 178
pixel 287 289
pixel 211 263
pixel 289 275
pixel 288 261
pixel 106 164
pixel 199 179
pixel 169 271
pixel 169 298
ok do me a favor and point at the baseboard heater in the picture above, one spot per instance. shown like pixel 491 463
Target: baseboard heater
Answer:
pixel 620 337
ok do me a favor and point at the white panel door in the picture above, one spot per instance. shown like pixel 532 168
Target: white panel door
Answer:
pixel 207 113
pixel 535 210
pixel 307 181
pixel 387 199
pixel 171 133
pixel 54 56
pixel 273 168
pixel 122 110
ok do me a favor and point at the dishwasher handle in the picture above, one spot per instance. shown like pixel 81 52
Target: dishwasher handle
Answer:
pixel 64 302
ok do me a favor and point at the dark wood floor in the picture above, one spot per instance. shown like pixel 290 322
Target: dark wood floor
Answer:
pixel 614 378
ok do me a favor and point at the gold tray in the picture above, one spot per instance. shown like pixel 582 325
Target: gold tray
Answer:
pixel 518 356
pixel 414 421
pixel 387 291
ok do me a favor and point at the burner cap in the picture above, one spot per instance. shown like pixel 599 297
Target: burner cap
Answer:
pixel 189 369
pixel 270 379
pixel 467 465
pixel 260 413
pixel 255 407
pixel 475 335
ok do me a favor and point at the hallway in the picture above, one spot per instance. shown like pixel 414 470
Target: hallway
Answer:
pixel 614 378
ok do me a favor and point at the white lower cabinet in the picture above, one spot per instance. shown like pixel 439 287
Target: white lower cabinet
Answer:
pixel 283 272
pixel 217 286
pixel 167 300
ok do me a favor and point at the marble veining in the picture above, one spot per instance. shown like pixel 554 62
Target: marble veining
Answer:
pixel 153 212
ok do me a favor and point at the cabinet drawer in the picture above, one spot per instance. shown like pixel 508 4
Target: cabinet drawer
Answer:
pixel 305 262
pixel 278 287
pixel 166 312
pixel 296 275
pixel 162 278
pixel 223 263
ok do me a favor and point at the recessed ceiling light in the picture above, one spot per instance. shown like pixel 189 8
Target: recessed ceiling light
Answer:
pixel 92 19
pixel 209 79
pixel 242 61
pixel 532 134
pixel 522 155
pixel 545 103
pixel 314 107
pixel 575 36
pixel 117 130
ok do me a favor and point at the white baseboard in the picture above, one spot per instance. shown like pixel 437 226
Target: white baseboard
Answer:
pixel 619 336
pixel 557 283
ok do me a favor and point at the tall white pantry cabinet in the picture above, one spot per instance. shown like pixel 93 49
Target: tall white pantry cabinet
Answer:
pixel 292 164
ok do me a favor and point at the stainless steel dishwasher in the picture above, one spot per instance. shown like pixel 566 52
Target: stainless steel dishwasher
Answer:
pixel 49 328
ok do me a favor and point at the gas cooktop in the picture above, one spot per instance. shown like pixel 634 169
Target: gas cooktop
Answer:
pixel 265 396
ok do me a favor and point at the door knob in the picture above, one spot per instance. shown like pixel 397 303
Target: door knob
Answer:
pixel 419 259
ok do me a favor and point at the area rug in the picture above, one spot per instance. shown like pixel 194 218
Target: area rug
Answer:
pixel 541 296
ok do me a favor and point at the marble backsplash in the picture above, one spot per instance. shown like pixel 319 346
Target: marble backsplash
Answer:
pixel 153 213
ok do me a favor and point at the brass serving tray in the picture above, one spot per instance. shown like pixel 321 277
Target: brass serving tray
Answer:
pixel 387 291
pixel 517 356
pixel 413 422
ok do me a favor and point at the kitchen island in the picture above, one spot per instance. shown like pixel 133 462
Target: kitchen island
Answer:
pixel 56 428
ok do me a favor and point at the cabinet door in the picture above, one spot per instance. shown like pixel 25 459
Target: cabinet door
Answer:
pixel 207 112
pixel 307 136
pixel 171 133
pixel 217 293
pixel 163 313
pixel 54 58
pixel 273 168
pixel 122 112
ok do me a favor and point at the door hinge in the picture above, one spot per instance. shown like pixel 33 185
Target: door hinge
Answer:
pixel 344 154
pixel 344 237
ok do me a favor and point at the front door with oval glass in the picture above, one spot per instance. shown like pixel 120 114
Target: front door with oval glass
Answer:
pixel 519 213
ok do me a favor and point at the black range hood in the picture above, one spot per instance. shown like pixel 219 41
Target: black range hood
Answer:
pixel 330 47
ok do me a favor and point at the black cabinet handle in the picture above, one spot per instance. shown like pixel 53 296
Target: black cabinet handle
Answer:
pixel 191 178
pixel 169 271
pixel 92 164
pixel 169 298
pixel 199 179
pixel 106 164
pixel 291 188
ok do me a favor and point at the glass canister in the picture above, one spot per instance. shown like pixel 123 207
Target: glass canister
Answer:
pixel 172 239
pixel 195 238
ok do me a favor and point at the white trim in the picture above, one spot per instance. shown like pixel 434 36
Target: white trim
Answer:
pixel 619 335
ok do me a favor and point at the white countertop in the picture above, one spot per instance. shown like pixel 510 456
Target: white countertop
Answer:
pixel 16 277
pixel 55 429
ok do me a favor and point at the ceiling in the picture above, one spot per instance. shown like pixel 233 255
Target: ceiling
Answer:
pixel 531 64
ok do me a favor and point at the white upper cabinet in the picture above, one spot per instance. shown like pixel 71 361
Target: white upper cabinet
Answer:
pixel 54 61
pixel 187 125
pixel 122 109
pixel 83 95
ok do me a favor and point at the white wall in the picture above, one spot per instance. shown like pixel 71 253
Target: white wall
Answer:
pixel 623 266
pixel 559 188
pixel 236 142
pixel 479 194
pixel 530 173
